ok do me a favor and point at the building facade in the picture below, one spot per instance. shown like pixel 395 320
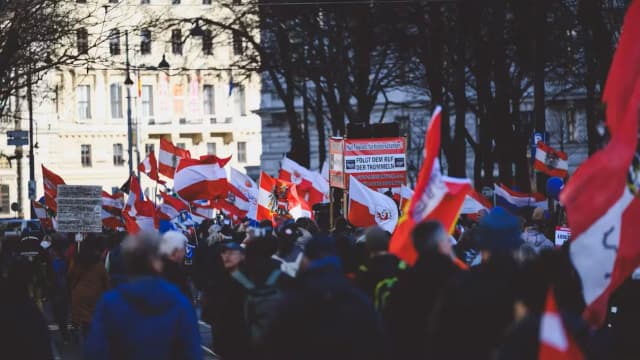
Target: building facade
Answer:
pixel 81 112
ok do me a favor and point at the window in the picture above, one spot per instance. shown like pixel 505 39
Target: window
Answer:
pixel 180 145
pixel 239 101
pixel 237 43
pixel 242 152
pixel 82 41
pixel 85 155
pixel 116 101
pixel 114 42
pixel 175 2
pixel 83 93
pixel 118 158
pixel 209 100
pixel 5 204
pixel 113 1
pixel 206 2
pixel 145 42
pixel 571 125
pixel 211 148
pixel 207 42
pixel 81 1
pixel 147 100
pixel 178 100
pixel 145 2
pixel 176 41
pixel 148 148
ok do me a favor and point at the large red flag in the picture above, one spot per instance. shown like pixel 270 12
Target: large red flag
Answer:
pixel 436 197
pixel 149 166
pixel 279 198
pixel 603 198
pixel 51 181
pixel 138 214
pixel 169 157
pixel 555 342
pixel 368 207
pixel 200 179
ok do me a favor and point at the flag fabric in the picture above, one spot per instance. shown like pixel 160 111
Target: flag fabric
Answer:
pixel 319 192
pixel 406 193
pixel 112 221
pixel 245 185
pixel 213 158
pixel 138 214
pixel 624 73
pixel 436 197
pixel 169 157
pixel 551 161
pixel 297 174
pixel 199 179
pixel 51 181
pixel 368 207
pixel 41 213
pixel 171 207
pixel 514 201
pixel 555 342
pixel 279 199
pixel 475 202
pixel 113 204
pixel 235 204
pixel 202 210
pixel 149 166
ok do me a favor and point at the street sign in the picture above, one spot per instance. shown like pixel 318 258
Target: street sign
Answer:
pixel 79 209
pixel 17 137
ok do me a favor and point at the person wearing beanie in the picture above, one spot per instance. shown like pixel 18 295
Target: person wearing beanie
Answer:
pixel 380 264
pixel 477 305
pixel 172 249
pixel 324 316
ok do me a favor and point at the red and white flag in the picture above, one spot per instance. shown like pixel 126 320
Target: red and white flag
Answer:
pixel 297 174
pixel 149 166
pixel 368 207
pixel 51 181
pixel 199 179
pixel 138 213
pixel 436 197
pixel 603 196
pixel 235 204
pixel 406 193
pixel 555 342
pixel 475 202
pixel 551 161
pixel 169 157
pixel 279 199
pixel 111 221
pixel 113 204
pixel 245 185
pixel 202 209
pixel 319 192
pixel 41 214
pixel 171 207
pixel 213 158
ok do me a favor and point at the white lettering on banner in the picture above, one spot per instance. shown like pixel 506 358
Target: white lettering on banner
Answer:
pixel 395 145
pixel 374 163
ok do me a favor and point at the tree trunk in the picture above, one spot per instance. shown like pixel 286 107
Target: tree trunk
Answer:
pixel 458 158
pixel 319 116
pixel 538 81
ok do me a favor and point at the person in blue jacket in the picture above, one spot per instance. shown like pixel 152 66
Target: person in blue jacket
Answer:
pixel 146 317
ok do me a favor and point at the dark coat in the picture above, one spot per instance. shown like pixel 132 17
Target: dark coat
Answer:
pixel 475 310
pixel 325 317
pixel 378 268
pixel 176 274
pixel 145 318
pixel 625 321
pixel 87 284
pixel 412 301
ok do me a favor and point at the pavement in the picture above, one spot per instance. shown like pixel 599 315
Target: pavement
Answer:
pixel 72 350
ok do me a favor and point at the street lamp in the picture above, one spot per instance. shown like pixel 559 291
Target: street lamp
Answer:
pixel 128 83
pixel 163 65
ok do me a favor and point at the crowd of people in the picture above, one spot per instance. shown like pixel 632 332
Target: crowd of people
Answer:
pixel 294 290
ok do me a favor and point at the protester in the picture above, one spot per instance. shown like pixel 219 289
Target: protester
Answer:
pixel 289 253
pixel 88 280
pixel 146 317
pixel 113 261
pixel 59 291
pixel 413 298
pixel 477 305
pixel 172 250
pixel 380 263
pixel 324 316
pixel 534 235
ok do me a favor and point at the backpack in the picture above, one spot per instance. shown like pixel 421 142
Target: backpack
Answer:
pixel 260 304
pixel 384 287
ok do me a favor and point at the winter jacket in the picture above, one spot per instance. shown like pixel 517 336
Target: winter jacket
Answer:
pixel 412 301
pixel 87 285
pixel 115 266
pixel 176 274
pixel 536 239
pixel 378 268
pixel 325 317
pixel 474 312
pixel 145 318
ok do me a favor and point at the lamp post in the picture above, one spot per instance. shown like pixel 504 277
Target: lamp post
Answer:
pixel 128 83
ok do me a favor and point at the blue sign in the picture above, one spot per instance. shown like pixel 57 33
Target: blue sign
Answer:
pixel 17 137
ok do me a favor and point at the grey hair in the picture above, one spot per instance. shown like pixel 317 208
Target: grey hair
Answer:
pixel 139 251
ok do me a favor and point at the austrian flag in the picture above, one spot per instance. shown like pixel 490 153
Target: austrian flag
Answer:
pixel 551 161
pixel 149 166
pixel 169 157
pixel 368 207
pixel 51 181
pixel 200 179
